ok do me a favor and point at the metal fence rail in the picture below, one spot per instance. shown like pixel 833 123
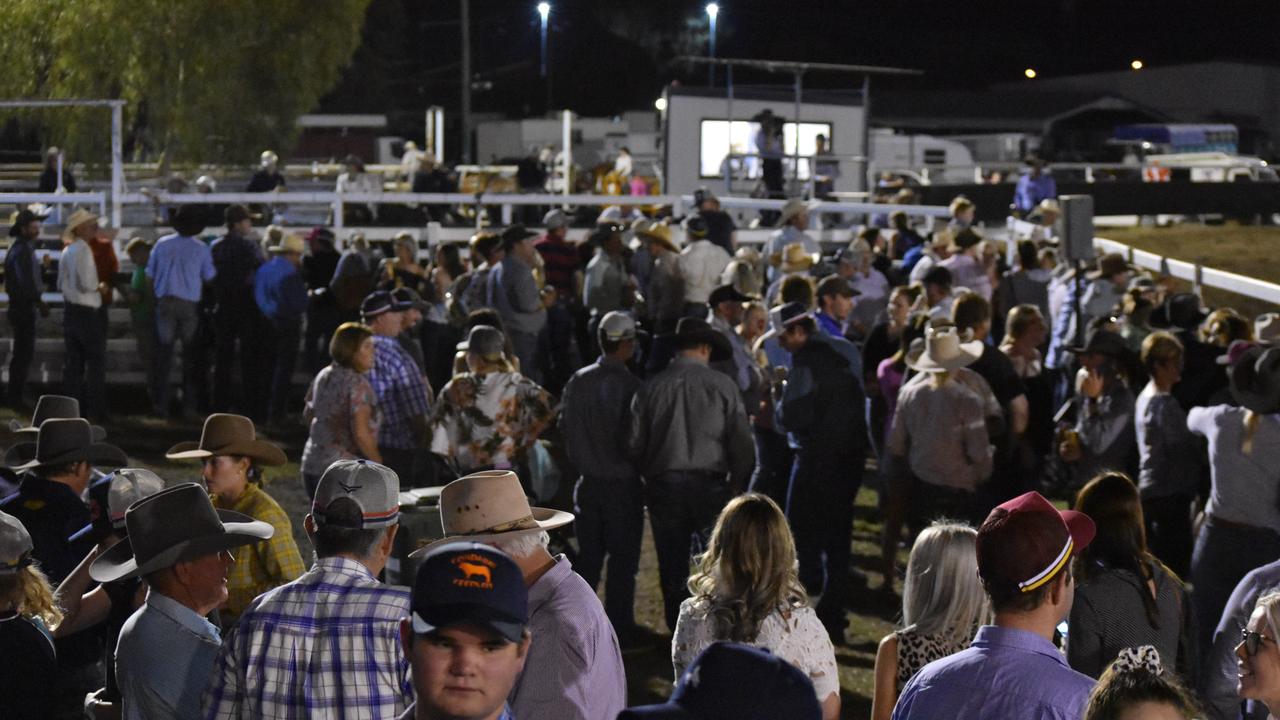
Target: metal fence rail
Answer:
pixel 1198 275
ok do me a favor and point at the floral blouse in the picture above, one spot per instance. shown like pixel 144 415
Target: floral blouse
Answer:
pixel 333 399
pixel 489 420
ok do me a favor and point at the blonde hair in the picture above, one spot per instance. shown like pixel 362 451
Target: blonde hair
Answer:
pixel 1270 603
pixel 942 594
pixel 1251 420
pixel 1160 347
pixel 961 204
pixel 1019 320
pixel 28 592
pixel 749 569
pixel 1225 325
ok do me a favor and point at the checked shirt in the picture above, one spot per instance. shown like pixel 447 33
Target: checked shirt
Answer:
pixel 326 645
pixel 402 394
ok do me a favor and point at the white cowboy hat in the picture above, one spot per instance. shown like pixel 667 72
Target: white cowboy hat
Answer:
pixel 486 506
pixel 1266 328
pixel 944 352
pixel 792 208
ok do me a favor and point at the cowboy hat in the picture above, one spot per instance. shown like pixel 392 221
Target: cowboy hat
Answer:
pixel 944 352
pixel 964 240
pixel 792 208
pixel 227 434
pixel 1046 206
pixel 292 243
pixel 171 526
pixel 21 219
pixel 696 331
pixel 793 258
pixel 78 218
pixel 1102 342
pixel 54 406
pixel 1255 379
pixel 1181 311
pixel 487 506
pixel 659 233
pixel 1266 328
pixel 70 440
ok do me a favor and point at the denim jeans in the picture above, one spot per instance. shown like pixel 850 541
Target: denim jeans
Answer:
pixel 1222 557
pixel 84 373
pixel 22 318
pixel 176 321
pixel 610 521
pixel 683 506
pixel 820 512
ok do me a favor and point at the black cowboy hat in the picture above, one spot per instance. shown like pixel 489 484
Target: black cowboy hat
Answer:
pixel 23 218
pixel 1255 379
pixel 696 331
pixel 173 525
pixel 69 440
pixel 54 406
pixel 1102 342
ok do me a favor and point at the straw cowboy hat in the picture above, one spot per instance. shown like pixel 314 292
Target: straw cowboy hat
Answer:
pixel 487 506
pixel 1047 206
pixel 226 434
pixel 1255 379
pixel 794 259
pixel 659 233
pixel 171 526
pixel 292 243
pixel 53 406
pixel 1266 328
pixel 944 352
pixel 70 440
pixel 78 218
pixel 792 208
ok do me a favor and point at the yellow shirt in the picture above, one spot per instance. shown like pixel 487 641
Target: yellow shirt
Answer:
pixel 266 564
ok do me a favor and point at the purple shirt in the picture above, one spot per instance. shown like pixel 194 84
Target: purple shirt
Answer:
pixel 1006 673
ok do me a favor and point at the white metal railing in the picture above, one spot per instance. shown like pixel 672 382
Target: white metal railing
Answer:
pixel 1198 275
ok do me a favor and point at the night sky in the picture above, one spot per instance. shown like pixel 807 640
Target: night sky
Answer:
pixel 609 56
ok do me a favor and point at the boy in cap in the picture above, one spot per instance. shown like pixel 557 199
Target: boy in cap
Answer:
pixel 403 397
pixel 278 660
pixel 466 635
pixel 609 497
pixel 1013 669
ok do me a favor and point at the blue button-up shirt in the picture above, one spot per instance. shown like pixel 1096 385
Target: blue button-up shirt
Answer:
pixel 402 394
pixel 164 659
pixel 1031 190
pixel 280 291
pixel 1005 674
pixel 179 266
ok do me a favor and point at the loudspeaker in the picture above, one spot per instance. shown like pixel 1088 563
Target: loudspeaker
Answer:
pixel 1076 232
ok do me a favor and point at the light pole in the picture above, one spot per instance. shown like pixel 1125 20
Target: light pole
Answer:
pixel 713 10
pixel 544 11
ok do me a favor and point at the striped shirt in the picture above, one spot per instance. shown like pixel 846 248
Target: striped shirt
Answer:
pixel 402 394
pixel 326 645
pixel 265 565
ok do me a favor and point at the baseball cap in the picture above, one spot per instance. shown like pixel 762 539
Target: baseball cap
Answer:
pixel 374 488
pixel 835 285
pixel 15 544
pixel 618 326
pixel 111 495
pixel 379 302
pixel 730 681
pixel 728 293
pixel 485 340
pixel 555 219
pixel 696 227
pixel 1026 541
pixel 465 582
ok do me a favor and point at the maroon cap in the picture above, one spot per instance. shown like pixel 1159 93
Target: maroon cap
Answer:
pixel 1026 541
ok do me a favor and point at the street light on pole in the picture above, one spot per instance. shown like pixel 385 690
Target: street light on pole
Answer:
pixel 544 11
pixel 713 10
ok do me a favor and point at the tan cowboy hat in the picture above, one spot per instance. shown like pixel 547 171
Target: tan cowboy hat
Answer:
pixel 795 259
pixel 490 505
pixel 659 233
pixel 78 218
pixel 1266 328
pixel 226 434
pixel 292 243
pixel 1046 206
pixel 792 208
pixel 944 352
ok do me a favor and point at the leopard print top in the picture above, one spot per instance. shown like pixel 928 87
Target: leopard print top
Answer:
pixel 916 650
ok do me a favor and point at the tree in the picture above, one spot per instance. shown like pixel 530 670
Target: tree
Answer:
pixel 204 80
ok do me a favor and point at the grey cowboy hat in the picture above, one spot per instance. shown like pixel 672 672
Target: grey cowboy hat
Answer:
pixel 1255 379
pixel 54 406
pixel 171 526
pixel 68 440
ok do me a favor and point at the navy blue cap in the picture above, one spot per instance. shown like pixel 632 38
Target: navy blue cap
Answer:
pixel 468 583
pixel 379 302
pixel 729 681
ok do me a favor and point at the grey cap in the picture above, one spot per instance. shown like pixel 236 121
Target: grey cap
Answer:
pixel 618 326
pixel 486 341
pixel 128 486
pixel 374 488
pixel 555 219
pixel 15 545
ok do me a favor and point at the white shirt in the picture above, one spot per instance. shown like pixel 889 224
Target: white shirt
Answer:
pixel 700 265
pixel 78 276
pixel 798 638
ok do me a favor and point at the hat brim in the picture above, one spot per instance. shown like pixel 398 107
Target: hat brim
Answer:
pixel 807 264
pixel 663 241
pixel 103 454
pixel 546 519
pixel 968 355
pixel 1081 527
pixel 119 563
pixel 475 614
pixel 786 216
pixel 263 452
pixel 720 348
pixel 96 432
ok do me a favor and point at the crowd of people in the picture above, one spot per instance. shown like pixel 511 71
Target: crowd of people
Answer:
pixel 738 398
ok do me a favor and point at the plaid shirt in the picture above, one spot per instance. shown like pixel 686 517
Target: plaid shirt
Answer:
pixel 401 391
pixel 265 565
pixel 326 645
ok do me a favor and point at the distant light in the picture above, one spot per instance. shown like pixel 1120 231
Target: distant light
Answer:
pixel 660 104
pixel 1136 64
pixel 1030 73
pixel 713 10
pixel 544 9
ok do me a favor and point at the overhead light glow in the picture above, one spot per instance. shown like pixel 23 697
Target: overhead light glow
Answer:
pixel 1030 73
pixel 544 9
pixel 660 104
pixel 1136 64
pixel 713 10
